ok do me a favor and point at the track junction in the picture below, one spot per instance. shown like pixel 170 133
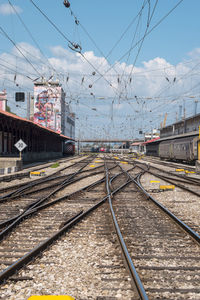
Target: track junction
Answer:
pixel 101 228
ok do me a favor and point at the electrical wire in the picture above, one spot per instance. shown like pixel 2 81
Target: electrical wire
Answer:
pixel 6 35
pixel 33 39
pixel 73 45
pixel 148 32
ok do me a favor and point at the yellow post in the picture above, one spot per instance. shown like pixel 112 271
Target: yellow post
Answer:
pixel 199 145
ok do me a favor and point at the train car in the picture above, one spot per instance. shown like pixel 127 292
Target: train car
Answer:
pixel 151 146
pixel 69 148
pixel 95 149
pixel 180 149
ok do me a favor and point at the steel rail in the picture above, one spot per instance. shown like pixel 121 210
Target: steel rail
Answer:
pixel 24 172
pixel 175 183
pixel 26 186
pixel 190 180
pixel 165 163
pixel 30 206
pixel 8 229
pixel 138 163
pixel 134 275
pixel 167 172
pixel 184 226
pixel 4 275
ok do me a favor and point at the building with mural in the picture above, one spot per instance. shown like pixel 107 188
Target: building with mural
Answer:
pixel 3 100
pixel 50 109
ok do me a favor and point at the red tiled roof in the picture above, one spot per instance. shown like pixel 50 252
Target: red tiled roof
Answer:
pixel 136 143
pixel 32 123
pixel 150 141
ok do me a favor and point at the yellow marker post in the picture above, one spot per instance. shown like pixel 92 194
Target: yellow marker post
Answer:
pixel 37 173
pixel 180 170
pixel 51 297
pixel 154 181
pixel 167 187
pixel 92 166
pixel 189 172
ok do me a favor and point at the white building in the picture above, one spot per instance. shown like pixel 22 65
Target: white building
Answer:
pixel 67 121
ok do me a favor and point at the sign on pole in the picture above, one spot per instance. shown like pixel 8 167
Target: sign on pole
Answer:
pixel 20 145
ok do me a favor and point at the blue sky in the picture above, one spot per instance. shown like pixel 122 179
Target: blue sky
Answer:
pixel 105 21
pixel 170 51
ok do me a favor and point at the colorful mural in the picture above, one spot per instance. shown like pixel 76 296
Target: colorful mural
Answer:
pixel 47 106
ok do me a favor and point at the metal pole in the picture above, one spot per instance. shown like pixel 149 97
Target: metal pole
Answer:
pixel 199 145
pixel 46 116
pixel 195 107
pixel 55 121
pixel 78 147
pixel 28 106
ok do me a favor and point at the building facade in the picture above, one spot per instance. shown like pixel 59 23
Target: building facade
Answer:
pixel 50 109
pixel 187 125
pixel 3 100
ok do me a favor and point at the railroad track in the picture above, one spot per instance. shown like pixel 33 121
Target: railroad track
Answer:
pixel 24 173
pixel 49 194
pixel 166 258
pixel 169 164
pixel 23 196
pixel 16 189
pixel 91 247
pixel 73 205
pixel 45 220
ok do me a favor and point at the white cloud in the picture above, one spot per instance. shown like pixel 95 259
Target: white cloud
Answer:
pixel 7 9
pixel 156 79
pixel 195 53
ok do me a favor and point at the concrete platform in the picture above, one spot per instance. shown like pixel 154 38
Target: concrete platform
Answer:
pixel 10 164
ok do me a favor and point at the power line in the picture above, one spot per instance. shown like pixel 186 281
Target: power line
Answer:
pixel 53 24
pixel 73 46
pixel 6 35
pixel 156 25
pixel 26 28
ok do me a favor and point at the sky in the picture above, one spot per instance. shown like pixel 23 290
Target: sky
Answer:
pixel 124 65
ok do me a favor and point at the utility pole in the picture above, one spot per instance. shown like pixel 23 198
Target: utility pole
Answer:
pixel 28 106
pixel 180 112
pixel 46 116
pixel 55 120
pixel 195 107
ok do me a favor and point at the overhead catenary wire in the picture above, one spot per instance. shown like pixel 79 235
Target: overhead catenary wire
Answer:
pixel 7 36
pixel 33 39
pixel 72 44
pixel 148 32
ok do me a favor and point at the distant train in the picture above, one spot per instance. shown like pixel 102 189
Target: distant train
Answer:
pixel 69 148
pixel 99 149
pixel 95 149
pixel 179 149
